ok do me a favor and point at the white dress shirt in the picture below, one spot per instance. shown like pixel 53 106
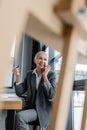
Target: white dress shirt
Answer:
pixel 38 78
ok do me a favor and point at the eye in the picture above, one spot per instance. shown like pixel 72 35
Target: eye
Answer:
pixel 40 58
pixel 45 59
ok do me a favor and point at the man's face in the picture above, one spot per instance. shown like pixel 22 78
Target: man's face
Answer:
pixel 41 61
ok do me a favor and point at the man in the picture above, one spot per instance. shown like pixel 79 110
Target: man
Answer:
pixel 39 85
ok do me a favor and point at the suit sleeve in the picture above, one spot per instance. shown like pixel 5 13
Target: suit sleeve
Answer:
pixel 21 88
pixel 49 87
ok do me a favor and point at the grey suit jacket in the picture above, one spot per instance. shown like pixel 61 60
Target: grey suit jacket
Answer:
pixel 43 99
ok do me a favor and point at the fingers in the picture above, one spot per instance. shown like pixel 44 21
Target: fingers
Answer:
pixel 15 70
pixel 47 68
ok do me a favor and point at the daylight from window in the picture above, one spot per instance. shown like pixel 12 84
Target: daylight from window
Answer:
pixel 8 77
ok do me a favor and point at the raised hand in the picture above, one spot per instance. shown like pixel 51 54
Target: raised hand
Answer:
pixel 45 72
pixel 16 72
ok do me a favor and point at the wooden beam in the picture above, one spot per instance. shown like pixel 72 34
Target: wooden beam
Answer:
pixel 44 25
pixel 73 12
pixel 12 22
pixel 36 29
pixel 43 11
pixel 86 2
pixel 69 9
pixel 65 83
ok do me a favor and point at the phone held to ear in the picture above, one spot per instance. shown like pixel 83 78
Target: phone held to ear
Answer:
pixel 44 68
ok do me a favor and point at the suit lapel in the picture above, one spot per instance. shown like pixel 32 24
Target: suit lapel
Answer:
pixel 33 83
pixel 41 81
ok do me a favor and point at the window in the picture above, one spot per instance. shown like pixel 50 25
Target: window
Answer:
pixel 78 102
pixel 58 59
pixel 9 75
pixel 80 71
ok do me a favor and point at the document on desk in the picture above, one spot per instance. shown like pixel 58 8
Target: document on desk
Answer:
pixel 8 95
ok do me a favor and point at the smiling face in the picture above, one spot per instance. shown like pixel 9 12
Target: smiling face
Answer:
pixel 41 60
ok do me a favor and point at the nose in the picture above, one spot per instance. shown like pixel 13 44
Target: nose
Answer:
pixel 43 61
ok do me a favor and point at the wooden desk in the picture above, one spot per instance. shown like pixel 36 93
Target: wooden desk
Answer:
pixel 10 101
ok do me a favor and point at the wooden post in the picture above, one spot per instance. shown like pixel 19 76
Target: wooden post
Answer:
pixel 65 84
pixel 73 12
pixel 86 2
pixel 69 9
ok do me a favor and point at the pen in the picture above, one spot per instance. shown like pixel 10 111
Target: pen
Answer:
pixel 17 66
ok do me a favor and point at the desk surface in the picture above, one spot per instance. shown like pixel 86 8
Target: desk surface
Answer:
pixel 10 102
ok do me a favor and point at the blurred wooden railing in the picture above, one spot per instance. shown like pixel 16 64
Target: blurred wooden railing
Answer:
pixel 57 23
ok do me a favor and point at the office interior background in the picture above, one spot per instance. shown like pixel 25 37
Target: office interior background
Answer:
pixel 23 56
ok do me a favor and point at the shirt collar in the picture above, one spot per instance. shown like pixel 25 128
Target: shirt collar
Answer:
pixel 34 72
